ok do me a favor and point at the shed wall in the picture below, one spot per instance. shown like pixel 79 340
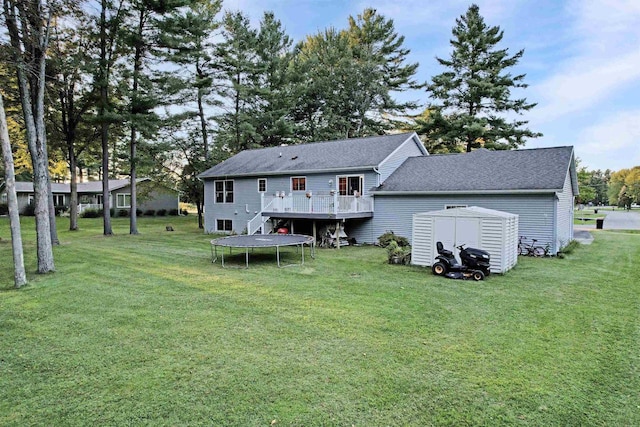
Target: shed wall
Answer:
pixel 497 235
pixel 564 213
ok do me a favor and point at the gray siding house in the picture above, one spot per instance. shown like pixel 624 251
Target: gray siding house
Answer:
pixel 372 185
pixel 150 195
pixel 305 185
pixel 539 185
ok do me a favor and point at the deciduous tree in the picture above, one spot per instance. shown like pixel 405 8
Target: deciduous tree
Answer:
pixel 19 274
pixel 28 25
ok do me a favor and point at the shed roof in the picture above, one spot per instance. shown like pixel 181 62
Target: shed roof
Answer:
pixel 314 157
pixel 469 212
pixel 539 169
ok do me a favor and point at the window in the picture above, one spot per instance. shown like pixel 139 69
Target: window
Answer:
pixel 262 185
pixel 123 200
pixel 454 206
pixel 224 191
pixel 31 199
pixel 348 185
pixel 3 197
pixel 224 225
pixel 58 199
pixel 298 183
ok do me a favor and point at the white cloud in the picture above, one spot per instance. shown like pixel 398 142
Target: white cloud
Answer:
pixel 605 59
pixel 613 142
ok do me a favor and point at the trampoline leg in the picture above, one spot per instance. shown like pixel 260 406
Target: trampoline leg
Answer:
pixel 247 257
pixel 302 247
pixel 278 255
pixel 222 258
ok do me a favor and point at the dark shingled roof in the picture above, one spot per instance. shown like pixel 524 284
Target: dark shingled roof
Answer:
pixel 483 171
pixel 83 187
pixel 317 156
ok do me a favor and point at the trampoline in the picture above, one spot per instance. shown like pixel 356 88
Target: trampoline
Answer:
pixel 261 241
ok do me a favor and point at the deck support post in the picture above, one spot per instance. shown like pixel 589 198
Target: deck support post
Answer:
pixel 338 234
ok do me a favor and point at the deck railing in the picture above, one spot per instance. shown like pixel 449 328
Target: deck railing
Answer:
pixel 322 204
pixel 89 206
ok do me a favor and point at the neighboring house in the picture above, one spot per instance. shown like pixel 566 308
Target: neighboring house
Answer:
pixel 372 185
pixel 150 195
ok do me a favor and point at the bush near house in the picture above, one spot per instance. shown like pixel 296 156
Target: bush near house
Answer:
pixel 385 239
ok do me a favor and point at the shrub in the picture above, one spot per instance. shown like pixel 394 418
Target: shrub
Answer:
pixel 150 212
pixel 4 209
pixel 91 213
pixel 569 248
pixel 61 209
pixel 385 239
pixel 123 213
pixel 138 212
pixel 161 212
pixel 29 210
pixel 184 212
pixel 397 254
pixel 173 212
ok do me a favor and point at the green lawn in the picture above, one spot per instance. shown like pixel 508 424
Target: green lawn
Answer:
pixel 144 330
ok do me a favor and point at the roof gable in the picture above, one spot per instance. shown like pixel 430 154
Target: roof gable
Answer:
pixel 541 169
pixel 342 154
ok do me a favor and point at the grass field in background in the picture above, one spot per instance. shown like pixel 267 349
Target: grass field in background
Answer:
pixel 144 330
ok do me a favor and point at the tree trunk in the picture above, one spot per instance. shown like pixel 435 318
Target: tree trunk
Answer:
pixel 137 67
pixel 200 219
pixel 203 117
pixel 19 275
pixel 104 125
pixel 31 80
pixel 73 202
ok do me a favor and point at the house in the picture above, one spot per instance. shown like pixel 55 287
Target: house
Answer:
pixel 151 196
pixel 371 185
pixel 319 183
pixel 539 185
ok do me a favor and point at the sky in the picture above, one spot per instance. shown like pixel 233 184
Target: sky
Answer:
pixel 581 60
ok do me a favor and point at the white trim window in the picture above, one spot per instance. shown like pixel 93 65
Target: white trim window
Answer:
pixel 224 191
pixel 224 225
pixel 298 183
pixel 58 200
pixel 123 200
pixel 350 185
pixel 262 185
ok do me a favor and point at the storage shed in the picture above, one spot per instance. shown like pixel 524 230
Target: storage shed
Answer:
pixel 491 230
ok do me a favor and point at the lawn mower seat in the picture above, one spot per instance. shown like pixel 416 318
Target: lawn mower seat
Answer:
pixel 442 251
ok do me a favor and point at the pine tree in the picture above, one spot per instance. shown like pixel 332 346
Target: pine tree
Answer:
pixel 473 95
pixel 237 53
pixel 381 68
pixel 273 120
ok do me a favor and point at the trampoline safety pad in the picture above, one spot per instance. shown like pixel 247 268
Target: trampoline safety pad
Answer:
pixel 261 241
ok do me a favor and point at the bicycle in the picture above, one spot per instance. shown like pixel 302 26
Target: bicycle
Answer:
pixel 530 249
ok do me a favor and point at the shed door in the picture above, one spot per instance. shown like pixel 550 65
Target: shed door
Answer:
pixel 468 232
pixel 445 232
